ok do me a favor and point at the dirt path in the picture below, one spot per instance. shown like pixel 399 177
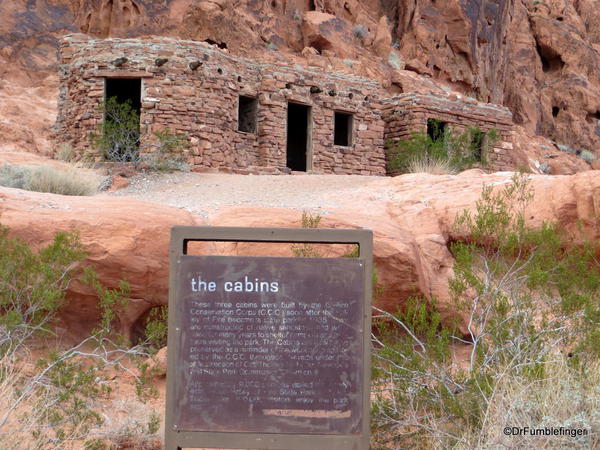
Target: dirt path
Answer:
pixel 205 193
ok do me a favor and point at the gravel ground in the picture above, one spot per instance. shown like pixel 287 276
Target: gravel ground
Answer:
pixel 202 193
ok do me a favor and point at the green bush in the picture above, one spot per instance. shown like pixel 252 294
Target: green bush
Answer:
pixel 119 137
pixel 529 301
pixel 458 151
pixel 54 401
pixel 32 285
pixel 119 140
pixel 157 327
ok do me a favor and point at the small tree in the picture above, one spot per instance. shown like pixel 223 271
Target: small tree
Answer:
pixel 53 402
pixel 120 135
pixel 530 302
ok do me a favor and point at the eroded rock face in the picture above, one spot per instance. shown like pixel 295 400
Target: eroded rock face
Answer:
pixel 411 217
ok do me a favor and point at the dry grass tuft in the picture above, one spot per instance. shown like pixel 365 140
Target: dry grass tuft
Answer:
pixel 565 397
pixel 13 176
pixel 428 165
pixel 65 152
pixel 67 181
pixel 64 182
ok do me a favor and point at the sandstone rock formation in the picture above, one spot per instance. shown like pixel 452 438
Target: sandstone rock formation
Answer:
pixel 411 216
pixel 124 238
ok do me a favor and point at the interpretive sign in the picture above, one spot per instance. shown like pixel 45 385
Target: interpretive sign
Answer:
pixel 268 352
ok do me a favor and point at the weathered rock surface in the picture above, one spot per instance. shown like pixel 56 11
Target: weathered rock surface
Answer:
pixel 125 239
pixel 411 216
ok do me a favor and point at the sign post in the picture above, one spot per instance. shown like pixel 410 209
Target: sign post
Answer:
pixel 268 352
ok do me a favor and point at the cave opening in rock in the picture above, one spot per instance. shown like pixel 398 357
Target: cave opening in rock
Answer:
pixel 320 44
pixel 150 328
pixel 342 128
pixel 122 99
pixel 551 60
pixel 221 45
pixel 247 114
pixel 593 117
pixel 298 136
pixel 555 111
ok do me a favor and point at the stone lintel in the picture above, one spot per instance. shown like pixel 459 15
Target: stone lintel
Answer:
pixel 123 74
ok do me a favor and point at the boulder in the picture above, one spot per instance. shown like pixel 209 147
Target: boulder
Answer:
pixel 326 32
pixel 125 239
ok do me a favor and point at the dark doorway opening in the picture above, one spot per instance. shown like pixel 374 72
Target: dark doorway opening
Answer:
pixel 342 129
pixel 298 129
pixel 125 90
pixel 247 114
pixel 122 118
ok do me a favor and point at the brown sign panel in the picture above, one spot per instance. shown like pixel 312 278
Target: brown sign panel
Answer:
pixel 270 345
pixel 269 353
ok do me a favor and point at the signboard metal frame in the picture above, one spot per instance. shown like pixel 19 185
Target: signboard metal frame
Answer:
pixel 177 439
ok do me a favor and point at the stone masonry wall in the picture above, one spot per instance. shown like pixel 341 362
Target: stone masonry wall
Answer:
pixel 203 104
pixel 408 113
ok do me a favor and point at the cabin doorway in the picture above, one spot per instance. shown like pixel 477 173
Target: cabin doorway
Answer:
pixel 298 137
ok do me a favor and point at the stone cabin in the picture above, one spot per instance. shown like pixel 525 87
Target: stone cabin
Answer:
pixel 251 116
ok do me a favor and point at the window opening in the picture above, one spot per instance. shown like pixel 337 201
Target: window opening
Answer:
pixel 342 129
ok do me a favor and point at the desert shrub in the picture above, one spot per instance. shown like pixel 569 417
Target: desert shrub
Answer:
pixel 457 151
pixel 119 140
pixel 395 61
pixel 587 156
pixel 119 137
pixel 529 301
pixel 47 179
pixel 307 250
pixel 32 285
pixel 157 327
pixel 14 176
pixel 52 401
pixel 360 32
pixel 167 154
pixel 64 182
pixel 66 152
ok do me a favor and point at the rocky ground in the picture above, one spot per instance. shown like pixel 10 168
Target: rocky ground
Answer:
pixel 205 194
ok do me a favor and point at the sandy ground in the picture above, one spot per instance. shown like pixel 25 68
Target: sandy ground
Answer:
pixel 203 194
